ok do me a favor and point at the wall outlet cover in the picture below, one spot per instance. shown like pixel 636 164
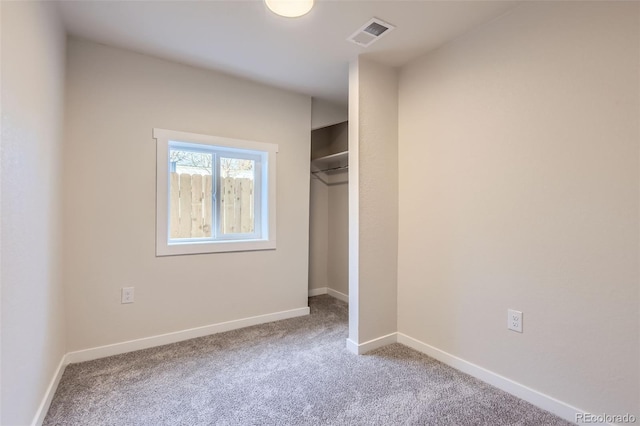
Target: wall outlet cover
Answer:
pixel 127 295
pixel 514 320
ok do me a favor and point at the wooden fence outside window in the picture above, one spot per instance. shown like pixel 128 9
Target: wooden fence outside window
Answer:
pixel 191 204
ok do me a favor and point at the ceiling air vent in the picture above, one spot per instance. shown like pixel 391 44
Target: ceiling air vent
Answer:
pixel 370 32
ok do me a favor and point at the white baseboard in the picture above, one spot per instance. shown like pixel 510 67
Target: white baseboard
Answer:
pixel 178 336
pixel 532 396
pixel 331 292
pixel 149 342
pixel 363 348
pixel 48 395
pixel 338 295
pixel 317 291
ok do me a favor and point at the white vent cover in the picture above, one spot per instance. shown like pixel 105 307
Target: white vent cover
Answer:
pixel 370 32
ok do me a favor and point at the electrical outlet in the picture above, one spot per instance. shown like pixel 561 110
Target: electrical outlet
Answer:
pixel 127 295
pixel 514 320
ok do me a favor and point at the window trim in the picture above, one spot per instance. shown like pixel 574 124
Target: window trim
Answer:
pixel 268 195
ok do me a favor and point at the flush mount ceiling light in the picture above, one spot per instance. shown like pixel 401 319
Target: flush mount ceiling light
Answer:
pixel 289 8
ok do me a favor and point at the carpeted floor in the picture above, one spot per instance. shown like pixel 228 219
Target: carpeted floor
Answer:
pixel 291 372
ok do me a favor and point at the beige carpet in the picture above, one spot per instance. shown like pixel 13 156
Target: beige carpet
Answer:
pixel 291 372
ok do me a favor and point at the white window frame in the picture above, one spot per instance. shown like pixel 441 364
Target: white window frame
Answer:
pixel 265 213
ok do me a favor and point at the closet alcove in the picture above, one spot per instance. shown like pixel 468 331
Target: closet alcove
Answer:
pixel 329 212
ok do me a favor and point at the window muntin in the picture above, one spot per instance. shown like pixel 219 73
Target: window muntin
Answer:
pixel 218 194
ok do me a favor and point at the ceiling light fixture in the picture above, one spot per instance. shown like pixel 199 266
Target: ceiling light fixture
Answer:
pixel 289 8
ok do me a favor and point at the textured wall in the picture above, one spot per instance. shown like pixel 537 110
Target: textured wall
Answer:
pixel 114 100
pixel 519 189
pixel 373 203
pixel 32 323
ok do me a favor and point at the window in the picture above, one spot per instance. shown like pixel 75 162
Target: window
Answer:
pixel 214 194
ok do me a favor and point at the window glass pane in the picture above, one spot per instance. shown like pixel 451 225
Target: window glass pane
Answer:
pixel 237 196
pixel 191 194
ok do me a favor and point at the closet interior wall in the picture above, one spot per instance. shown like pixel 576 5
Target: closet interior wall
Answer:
pixel 329 215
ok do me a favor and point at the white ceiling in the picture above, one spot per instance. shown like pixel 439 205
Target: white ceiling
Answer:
pixel 308 55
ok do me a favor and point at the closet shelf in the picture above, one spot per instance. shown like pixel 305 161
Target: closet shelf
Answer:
pixel 333 160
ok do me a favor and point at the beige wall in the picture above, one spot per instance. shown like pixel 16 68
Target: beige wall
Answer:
pixel 32 322
pixel 324 113
pixel 114 100
pixel 329 236
pixel 338 237
pixel 519 189
pixel 373 200
pixel 318 233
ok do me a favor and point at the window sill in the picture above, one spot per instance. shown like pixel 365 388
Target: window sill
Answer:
pixel 177 249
